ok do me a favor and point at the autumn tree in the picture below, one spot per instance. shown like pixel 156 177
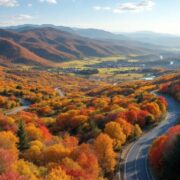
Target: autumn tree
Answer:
pixel 137 130
pixel 70 120
pixel 8 140
pixel 155 153
pixel 55 153
pixel 58 174
pixel 114 130
pixel 104 148
pixel 171 161
pixel 27 169
pixel 164 154
pixel 33 132
pixel 152 108
pixel 7 158
pixel 85 156
pixel 12 176
pixel 126 126
pixel 69 163
pixel 7 123
pixel 34 152
pixel 70 142
pixel 45 133
pixel 132 116
pixel 142 118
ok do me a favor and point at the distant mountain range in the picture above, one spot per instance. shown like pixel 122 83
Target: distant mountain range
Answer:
pixel 47 45
pixel 165 40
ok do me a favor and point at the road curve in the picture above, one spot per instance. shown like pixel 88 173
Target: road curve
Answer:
pixel 136 165
pixel 60 92
pixel 25 105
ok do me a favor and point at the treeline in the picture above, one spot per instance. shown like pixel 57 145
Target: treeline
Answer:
pixel 171 88
pixel 75 137
pixel 81 139
pixel 164 155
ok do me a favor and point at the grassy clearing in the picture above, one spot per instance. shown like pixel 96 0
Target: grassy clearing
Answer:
pixel 117 77
pixel 82 63
pixel 104 74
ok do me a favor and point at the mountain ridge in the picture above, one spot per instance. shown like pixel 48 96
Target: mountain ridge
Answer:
pixel 150 37
pixel 54 45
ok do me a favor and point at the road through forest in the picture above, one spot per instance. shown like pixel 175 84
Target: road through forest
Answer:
pixel 136 164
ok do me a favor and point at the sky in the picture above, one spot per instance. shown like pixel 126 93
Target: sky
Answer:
pixel 113 15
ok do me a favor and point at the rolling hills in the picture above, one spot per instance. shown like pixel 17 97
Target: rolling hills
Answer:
pixel 11 52
pixel 47 46
pixel 139 37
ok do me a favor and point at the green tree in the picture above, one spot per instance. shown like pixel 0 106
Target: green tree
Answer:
pixel 23 139
pixel 94 128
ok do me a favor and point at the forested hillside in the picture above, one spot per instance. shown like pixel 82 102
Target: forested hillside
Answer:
pixel 67 136
pixel 47 46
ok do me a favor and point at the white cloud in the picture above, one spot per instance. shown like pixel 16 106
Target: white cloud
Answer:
pixel 15 20
pixel 22 17
pixel 143 5
pixel 98 8
pixel 8 3
pixel 29 5
pixel 49 1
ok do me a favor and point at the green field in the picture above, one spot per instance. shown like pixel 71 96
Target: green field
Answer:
pixel 111 74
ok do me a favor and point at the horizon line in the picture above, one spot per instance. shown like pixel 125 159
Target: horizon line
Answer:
pixel 93 28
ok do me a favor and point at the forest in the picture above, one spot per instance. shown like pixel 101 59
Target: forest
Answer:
pixel 77 136
pixel 164 153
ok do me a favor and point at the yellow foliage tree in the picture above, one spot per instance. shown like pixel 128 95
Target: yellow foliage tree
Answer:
pixel 58 174
pixel 33 132
pixel 114 130
pixel 55 153
pixel 27 169
pixel 70 164
pixel 126 126
pixel 34 153
pixel 103 146
pixel 8 140
pixel 137 130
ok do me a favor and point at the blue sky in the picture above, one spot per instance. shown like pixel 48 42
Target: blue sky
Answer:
pixel 114 15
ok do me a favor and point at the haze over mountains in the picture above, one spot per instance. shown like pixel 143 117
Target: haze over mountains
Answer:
pixel 46 45
pixel 162 39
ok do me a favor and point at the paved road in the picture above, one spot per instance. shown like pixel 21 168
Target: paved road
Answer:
pixel 16 110
pixel 136 164
pixel 60 92
pixel 25 105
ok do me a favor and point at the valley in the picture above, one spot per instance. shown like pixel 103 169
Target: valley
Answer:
pixel 71 101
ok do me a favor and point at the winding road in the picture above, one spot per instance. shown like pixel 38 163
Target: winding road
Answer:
pixel 25 105
pixel 136 164
pixel 60 92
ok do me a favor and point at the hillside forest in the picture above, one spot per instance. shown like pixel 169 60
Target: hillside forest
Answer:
pixel 55 126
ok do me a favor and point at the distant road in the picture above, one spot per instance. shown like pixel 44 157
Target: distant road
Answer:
pixel 25 105
pixel 16 110
pixel 59 91
pixel 136 163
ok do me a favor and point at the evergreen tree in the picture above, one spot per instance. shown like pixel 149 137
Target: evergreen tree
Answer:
pixel 94 128
pixel 140 98
pixel 23 140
